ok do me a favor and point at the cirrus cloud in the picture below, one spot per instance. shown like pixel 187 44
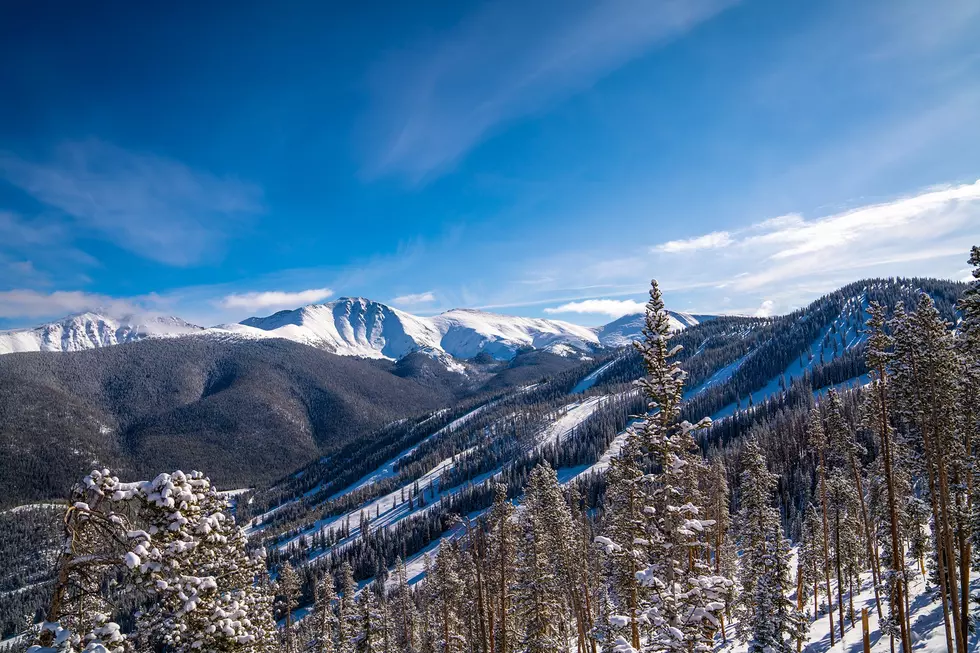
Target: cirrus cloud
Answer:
pixel 714 240
pixel 153 206
pixel 413 299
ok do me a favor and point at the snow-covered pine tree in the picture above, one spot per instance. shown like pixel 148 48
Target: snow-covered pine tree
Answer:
pixel 925 370
pixel 324 619
pixel 288 588
pixel 347 616
pixel 171 540
pixel 686 599
pixel 404 610
pixel 447 590
pixel 968 428
pixel 623 542
pixel 501 562
pixel 770 621
pixel 539 590
pixel 843 439
pixel 845 526
pixel 878 358
pixel 757 524
pixel 370 639
pixel 810 557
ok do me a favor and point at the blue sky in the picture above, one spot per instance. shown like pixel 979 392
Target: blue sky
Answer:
pixel 540 158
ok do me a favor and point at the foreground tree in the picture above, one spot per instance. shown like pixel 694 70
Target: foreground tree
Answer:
pixel 682 601
pixel 172 541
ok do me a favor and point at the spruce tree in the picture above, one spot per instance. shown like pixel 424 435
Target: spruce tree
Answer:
pixel 347 617
pixel 325 622
pixel 685 600
pixel 770 622
pixel 539 588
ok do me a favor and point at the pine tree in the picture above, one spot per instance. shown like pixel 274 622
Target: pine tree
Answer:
pixel 810 559
pixel 757 522
pixel 878 358
pixel 347 617
pixel 447 588
pixel 171 540
pixel 289 586
pixel 539 586
pixel 769 618
pixel 925 372
pixel 325 622
pixel 818 442
pixel 624 528
pixel 685 600
pixel 502 552
pixel 404 606
pixel 843 439
pixel 370 638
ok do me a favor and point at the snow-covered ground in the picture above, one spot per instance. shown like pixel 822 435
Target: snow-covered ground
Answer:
pixel 926 617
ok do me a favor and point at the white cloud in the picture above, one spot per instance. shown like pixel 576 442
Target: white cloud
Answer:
pixel 714 240
pixel 915 235
pixel 416 298
pixel 614 308
pixel 155 207
pixel 34 304
pixel 767 309
pixel 505 61
pixel 255 301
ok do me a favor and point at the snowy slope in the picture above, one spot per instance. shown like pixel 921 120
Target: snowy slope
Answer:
pixel 91 330
pixel 361 327
pixel 628 328
pixel 350 326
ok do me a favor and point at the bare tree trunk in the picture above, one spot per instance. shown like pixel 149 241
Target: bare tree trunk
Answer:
pixel 826 546
pixel 898 555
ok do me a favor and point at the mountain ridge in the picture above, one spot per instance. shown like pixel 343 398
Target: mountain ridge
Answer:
pixel 347 326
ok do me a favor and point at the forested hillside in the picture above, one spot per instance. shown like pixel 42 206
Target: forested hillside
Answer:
pixel 538 508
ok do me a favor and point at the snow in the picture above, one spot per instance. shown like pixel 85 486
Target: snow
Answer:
pixel 625 330
pixel 93 329
pixel 591 379
pixel 845 331
pixel 350 326
pixel 384 471
pixel 388 510
pixel 361 327
pixel 926 616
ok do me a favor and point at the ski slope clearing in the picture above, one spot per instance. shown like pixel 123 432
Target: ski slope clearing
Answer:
pixel 403 502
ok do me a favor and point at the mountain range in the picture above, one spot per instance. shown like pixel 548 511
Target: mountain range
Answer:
pixel 349 326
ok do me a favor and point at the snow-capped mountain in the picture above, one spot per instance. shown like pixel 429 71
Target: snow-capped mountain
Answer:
pixel 361 327
pixel 92 330
pixel 628 328
pixel 349 326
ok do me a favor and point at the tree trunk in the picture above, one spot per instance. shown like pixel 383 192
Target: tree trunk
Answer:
pixel 898 556
pixel 826 545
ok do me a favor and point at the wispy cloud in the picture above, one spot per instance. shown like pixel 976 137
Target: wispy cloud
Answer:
pixel 612 307
pixel 33 304
pixel 506 61
pixel 714 240
pixel 155 207
pixel 928 233
pixel 413 299
pixel 274 299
